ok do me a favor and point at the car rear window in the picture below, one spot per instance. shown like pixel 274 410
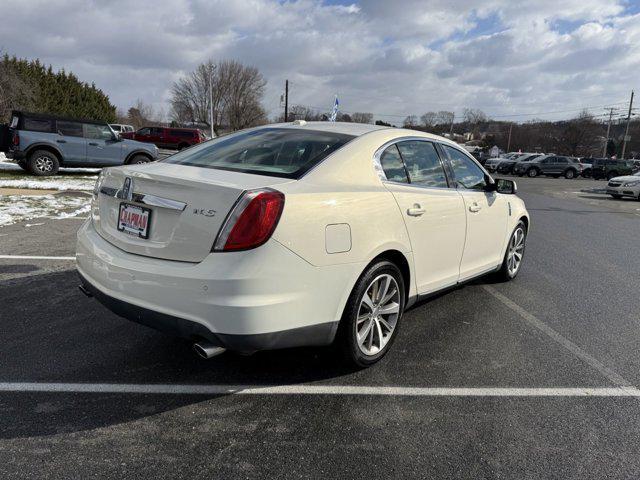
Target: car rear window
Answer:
pixel 38 125
pixel 278 152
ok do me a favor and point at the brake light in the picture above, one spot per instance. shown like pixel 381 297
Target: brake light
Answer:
pixel 251 222
pixel 16 139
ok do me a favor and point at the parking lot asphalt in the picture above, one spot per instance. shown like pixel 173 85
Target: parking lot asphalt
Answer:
pixel 569 321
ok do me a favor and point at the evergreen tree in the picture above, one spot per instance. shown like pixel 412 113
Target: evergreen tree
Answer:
pixel 61 93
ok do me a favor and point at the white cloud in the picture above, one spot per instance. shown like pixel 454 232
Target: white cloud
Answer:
pixel 380 56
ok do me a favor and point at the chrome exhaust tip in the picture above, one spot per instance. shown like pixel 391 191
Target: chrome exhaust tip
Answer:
pixel 207 350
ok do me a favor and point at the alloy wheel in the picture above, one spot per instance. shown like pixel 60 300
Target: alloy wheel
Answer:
pixel 516 251
pixel 378 314
pixel 44 164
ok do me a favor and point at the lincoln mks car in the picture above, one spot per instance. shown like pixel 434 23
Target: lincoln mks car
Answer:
pixel 296 234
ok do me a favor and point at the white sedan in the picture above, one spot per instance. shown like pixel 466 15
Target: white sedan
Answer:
pixel 625 186
pixel 296 234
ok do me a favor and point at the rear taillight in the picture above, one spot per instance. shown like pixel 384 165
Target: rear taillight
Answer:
pixel 16 139
pixel 251 221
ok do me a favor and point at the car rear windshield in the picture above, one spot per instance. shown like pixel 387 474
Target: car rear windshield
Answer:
pixel 277 152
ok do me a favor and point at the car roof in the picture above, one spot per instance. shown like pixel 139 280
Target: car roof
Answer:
pixel 355 129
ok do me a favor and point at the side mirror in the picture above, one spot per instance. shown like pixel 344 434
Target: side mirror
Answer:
pixel 506 186
pixel 491 185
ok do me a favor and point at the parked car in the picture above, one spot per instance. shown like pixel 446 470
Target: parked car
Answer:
pixel 625 186
pixel 165 137
pixel 506 166
pixel 120 128
pixel 587 166
pixel 296 234
pixel 610 168
pixel 41 144
pixel 551 165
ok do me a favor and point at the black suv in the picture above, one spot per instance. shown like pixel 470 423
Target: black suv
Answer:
pixel 608 168
pixel 552 165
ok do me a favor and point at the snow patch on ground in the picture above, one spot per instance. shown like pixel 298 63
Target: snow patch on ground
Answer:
pixel 17 208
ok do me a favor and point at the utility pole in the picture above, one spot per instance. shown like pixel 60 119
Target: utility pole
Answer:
pixel 451 128
pixel 211 99
pixel 606 142
pixel 286 101
pixel 626 131
pixel 509 141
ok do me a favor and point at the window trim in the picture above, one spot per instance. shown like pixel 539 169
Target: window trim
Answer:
pixel 470 157
pixel 377 164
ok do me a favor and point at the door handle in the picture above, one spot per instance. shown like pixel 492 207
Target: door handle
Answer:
pixel 474 207
pixel 93 144
pixel 416 210
pixel 61 141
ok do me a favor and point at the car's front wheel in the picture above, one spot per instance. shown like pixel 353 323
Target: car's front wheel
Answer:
pixel 532 172
pixel 372 315
pixel 569 174
pixel 515 253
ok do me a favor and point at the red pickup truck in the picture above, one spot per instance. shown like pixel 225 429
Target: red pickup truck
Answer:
pixel 167 137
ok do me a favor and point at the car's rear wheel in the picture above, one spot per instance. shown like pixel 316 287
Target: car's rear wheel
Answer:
pixel 570 173
pixel 532 172
pixel 372 315
pixel 515 253
pixel 43 163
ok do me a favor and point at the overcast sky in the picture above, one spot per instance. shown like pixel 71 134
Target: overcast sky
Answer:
pixel 393 58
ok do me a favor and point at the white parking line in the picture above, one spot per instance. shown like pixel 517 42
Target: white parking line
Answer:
pixel 169 389
pixel 535 322
pixel 35 257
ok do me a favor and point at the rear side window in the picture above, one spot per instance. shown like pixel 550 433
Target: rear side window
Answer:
pixel 182 133
pixel 69 129
pixel 38 125
pixel 466 172
pixel 423 163
pixel 392 165
pixel 279 152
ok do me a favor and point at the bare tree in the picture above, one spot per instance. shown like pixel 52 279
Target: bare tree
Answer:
pixel 578 135
pixel 429 119
pixel 361 117
pixel 474 116
pixel 234 90
pixel 410 121
pixel 141 114
pixel 444 117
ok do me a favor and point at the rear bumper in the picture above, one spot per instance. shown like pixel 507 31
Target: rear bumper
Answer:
pixel 265 298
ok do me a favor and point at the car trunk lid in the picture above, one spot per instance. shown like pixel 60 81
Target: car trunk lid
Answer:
pixel 186 207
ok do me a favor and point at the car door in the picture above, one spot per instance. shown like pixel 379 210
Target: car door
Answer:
pixel 71 142
pixel 486 214
pixel 433 213
pixel 104 149
pixel 142 135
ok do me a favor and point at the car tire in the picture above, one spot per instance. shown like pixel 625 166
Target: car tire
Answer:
pixel 43 163
pixel 533 172
pixel 516 246
pixel 138 159
pixel 586 174
pixel 570 174
pixel 363 334
pixel 182 146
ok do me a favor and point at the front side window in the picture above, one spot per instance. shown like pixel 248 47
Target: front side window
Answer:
pixel 467 173
pixel 423 163
pixel 97 132
pixel 69 129
pixel 279 152
pixel 392 165
pixel 144 131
